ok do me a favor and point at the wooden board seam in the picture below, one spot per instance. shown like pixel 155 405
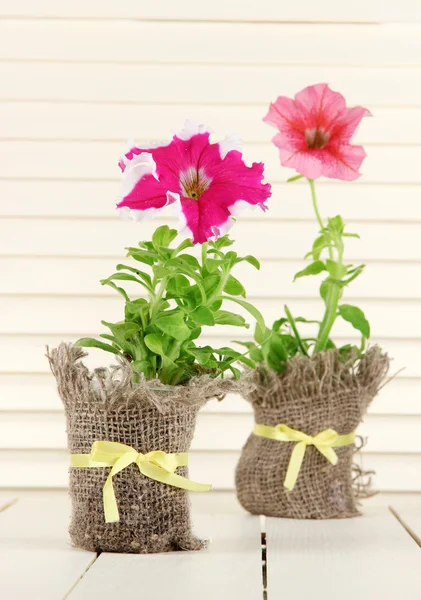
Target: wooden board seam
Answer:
pixel 80 577
pixel 412 533
pixel 8 504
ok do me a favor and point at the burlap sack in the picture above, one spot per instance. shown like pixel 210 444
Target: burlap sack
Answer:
pixel 106 405
pixel 312 395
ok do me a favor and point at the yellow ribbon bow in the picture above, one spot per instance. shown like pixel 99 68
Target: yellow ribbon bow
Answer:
pixel 157 465
pixel 324 441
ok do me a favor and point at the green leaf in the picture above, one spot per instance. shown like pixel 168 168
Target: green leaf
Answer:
pixel 124 330
pixel 168 371
pixel 163 237
pixel 185 244
pixel 223 242
pixel 173 325
pixel 138 307
pixel 314 269
pixel 203 316
pixel 141 366
pixel 210 284
pixel 318 246
pixel 294 178
pixel 234 287
pixel 224 317
pixel 324 290
pixel 120 277
pixel 155 343
pixel 299 341
pixel 160 272
pixel 186 259
pixel 212 264
pixel 256 314
pixel 278 324
pixel 277 353
pixel 252 261
pixel 335 270
pixel 117 288
pixel 144 276
pixel 178 284
pixel 261 334
pixel 356 317
pixel 202 355
pixel 335 226
pixel 236 372
pixel 141 256
pixel 92 343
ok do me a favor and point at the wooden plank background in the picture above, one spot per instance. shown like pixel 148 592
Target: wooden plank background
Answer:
pixel 80 78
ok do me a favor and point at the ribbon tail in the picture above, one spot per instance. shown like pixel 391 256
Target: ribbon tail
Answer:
pixel 294 466
pixel 108 495
pixel 328 453
pixel 109 500
pixel 158 474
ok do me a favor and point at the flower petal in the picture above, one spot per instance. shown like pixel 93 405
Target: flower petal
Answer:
pixel 232 180
pixel 342 162
pixel 345 127
pixel 230 142
pixel 289 119
pixel 147 193
pixel 205 218
pixel 190 129
pixel 321 105
pixel 306 163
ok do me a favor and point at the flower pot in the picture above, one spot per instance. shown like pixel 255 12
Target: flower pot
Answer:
pixel 106 406
pixel 312 395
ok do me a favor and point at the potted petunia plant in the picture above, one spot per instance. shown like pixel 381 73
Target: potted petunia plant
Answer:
pixel 130 426
pixel 311 395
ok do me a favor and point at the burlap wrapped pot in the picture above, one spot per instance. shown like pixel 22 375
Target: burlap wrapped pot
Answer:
pixel 312 395
pixel 107 405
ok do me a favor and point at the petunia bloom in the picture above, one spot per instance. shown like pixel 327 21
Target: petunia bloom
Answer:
pixel 207 183
pixel 315 131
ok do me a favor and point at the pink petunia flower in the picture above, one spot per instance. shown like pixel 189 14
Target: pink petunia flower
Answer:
pixel 207 183
pixel 315 131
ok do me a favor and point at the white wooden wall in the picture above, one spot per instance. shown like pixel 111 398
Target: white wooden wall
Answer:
pixel 78 78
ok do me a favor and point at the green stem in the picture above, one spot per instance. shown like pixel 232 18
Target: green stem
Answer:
pixel 204 253
pixel 334 291
pixel 295 331
pixel 316 210
pixel 329 318
pixel 157 298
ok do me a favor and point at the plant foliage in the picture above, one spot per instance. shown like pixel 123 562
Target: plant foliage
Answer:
pixel 180 295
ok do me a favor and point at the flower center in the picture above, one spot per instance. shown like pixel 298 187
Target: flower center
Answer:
pixel 194 182
pixel 316 138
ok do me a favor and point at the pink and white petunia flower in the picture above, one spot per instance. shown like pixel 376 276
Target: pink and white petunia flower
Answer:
pixel 204 181
pixel 315 131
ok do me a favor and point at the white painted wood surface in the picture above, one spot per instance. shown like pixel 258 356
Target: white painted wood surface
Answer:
pixel 373 554
pixel 365 557
pixel 36 559
pixel 230 568
pixel 80 78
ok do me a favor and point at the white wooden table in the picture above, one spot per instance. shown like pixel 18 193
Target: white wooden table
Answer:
pixel 249 558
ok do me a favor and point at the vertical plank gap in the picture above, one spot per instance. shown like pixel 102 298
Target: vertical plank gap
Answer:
pixel 414 536
pixel 264 557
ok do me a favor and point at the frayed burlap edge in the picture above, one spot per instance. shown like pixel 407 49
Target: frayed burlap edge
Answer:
pixel 114 387
pixel 321 375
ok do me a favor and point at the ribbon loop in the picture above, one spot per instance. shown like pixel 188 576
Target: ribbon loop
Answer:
pixel 324 442
pixel 156 465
